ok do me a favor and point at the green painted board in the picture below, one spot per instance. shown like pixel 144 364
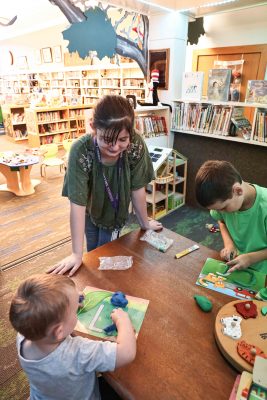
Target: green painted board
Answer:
pixel 242 284
pixel 94 316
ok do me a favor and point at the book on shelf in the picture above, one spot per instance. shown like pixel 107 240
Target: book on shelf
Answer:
pixel 240 125
pixel 256 92
pixel 260 125
pixel 192 84
pixel 219 84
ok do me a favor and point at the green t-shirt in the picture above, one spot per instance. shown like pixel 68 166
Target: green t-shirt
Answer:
pixel 84 184
pixel 248 228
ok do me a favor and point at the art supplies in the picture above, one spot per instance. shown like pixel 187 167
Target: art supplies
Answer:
pixel 187 251
pixel 117 262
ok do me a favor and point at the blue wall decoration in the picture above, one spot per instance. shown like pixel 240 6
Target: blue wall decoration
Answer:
pixel 97 29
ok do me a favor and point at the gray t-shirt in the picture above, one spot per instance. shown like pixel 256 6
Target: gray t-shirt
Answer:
pixel 69 372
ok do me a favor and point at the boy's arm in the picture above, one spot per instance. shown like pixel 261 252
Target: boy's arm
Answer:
pixel 126 341
pixel 245 260
pixel 229 250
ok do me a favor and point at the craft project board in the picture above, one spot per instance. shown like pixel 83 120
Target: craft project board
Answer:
pixel 239 284
pixel 252 329
pixel 94 316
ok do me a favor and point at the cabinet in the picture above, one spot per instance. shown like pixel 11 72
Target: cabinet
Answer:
pixel 78 85
pixel 213 119
pixel 15 121
pixel 53 125
pixel 167 191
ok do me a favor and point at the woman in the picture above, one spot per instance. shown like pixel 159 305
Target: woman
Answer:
pixel 105 172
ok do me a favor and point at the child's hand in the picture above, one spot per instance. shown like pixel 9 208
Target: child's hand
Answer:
pixel 118 316
pixel 228 253
pixel 241 262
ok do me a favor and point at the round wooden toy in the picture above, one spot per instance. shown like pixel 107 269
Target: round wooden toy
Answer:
pixel 254 332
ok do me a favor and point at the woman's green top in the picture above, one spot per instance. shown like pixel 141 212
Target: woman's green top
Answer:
pixel 84 183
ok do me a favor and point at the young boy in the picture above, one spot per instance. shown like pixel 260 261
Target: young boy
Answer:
pixel 61 367
pixel 241 211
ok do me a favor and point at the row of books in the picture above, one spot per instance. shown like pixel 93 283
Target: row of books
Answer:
pixel 260 126
pixel 54 127
pixel 151 126
pixel 202 118
pixel 52 115
pixel 54 138
pixel 219 81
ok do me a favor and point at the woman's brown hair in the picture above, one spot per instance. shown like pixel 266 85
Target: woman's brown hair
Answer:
pixel 112 114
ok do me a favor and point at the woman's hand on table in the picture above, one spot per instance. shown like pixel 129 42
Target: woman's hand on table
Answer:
pixel 154 225
pixel 70 263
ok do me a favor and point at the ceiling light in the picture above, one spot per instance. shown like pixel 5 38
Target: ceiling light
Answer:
pixel 149 3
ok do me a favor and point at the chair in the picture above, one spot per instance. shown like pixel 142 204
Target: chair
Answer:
pixel 50 158
pixel 67 143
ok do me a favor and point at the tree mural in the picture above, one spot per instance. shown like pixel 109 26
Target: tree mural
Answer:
pixel 107 30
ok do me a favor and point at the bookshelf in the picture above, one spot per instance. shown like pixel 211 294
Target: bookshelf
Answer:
pixel 54 124
pixel 167 191
pixel 213 119
pixel 15 121
pixel 153 123
pixel 85 84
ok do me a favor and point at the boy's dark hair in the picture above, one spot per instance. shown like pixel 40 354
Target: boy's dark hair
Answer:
pixel 111 115
pixel 214 182
pixel 40 301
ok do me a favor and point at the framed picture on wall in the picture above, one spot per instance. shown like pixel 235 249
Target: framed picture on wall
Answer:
pixel 159 60
pixel 47 54
pixel 57 54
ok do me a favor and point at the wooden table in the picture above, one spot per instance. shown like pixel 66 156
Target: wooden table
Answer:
pixel 177 357
pixel 18 180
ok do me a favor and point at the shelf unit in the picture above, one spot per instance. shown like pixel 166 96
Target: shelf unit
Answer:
pixel 54 124
pixel 15 121
pixel 153 123
pixel 193 118
pixel 167 191
pixel 85 84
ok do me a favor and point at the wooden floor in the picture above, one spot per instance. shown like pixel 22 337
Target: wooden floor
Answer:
pixel 31 223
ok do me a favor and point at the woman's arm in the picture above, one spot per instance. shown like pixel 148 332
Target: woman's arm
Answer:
pixel 77 226
pixel 140 207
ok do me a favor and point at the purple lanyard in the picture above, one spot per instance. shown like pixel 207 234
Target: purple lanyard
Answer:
pixel 114 200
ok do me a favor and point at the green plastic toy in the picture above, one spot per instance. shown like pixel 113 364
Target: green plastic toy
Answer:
pixel 203 302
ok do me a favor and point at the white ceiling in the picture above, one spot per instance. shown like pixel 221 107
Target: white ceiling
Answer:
pixel 33 15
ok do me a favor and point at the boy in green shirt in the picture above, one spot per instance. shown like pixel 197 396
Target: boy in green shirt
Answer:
pixel 241 211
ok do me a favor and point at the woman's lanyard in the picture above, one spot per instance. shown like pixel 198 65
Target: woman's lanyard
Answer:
pixel 114 199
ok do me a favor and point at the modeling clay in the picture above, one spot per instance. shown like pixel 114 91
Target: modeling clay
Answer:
pixel 118 299
pixel 203 302
pixel 264 311
pixel 247 309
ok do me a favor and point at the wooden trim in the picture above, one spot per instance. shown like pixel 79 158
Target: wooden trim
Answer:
pixel 260 48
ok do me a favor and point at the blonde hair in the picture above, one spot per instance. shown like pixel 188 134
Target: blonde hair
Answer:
pixel 40 301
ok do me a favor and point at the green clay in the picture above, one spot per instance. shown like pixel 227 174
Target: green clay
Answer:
pixel 263 293
pixel 203 302
pixel 264 311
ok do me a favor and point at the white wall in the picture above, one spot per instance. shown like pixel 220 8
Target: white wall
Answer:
pixel 237 28
pixel 169 31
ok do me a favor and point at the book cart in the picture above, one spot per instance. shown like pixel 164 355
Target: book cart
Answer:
pixel 167 191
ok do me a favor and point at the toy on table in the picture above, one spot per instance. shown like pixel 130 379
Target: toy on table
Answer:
pixel 118 299
pixel 203 302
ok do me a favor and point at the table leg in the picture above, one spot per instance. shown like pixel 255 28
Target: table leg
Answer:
pixel 27 184
pixel 12 181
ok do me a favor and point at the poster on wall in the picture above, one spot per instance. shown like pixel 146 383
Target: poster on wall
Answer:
pixel 159 60
pixel 57 54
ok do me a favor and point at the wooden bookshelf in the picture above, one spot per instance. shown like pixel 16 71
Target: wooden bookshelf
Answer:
pixel 54 124
pixel 15 121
